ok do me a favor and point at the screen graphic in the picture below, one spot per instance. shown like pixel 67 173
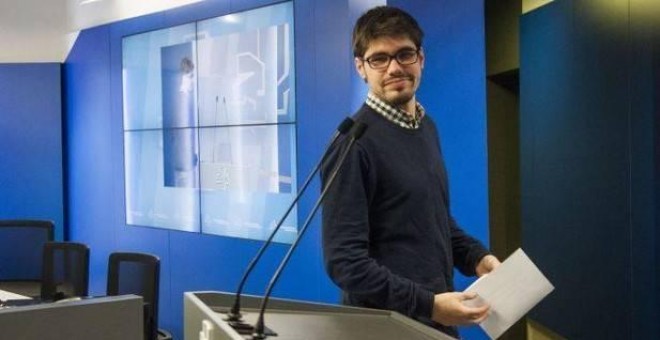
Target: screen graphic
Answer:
pixel 209 125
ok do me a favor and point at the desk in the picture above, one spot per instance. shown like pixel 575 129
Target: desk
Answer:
pixel 27 288
pixel 104 318
pixel 5 295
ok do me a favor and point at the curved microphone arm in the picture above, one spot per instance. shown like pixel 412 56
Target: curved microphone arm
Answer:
pixel 259 328
pixel 234 314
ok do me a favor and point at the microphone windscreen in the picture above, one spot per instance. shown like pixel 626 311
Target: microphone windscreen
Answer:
pixel 345 125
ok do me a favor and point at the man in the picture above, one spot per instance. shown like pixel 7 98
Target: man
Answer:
pixel 389 239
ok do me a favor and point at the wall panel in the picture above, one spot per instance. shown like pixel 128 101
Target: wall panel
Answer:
pixel 588 170
pixel 31 175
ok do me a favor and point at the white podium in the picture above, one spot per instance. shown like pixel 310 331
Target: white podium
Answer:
pixel 297 320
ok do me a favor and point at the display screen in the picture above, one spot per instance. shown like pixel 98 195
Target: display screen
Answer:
pixel 210 125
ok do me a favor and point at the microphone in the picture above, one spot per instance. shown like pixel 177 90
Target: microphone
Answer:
pixel 234 316
pixel 260 330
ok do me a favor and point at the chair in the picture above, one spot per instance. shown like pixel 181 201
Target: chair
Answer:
pixel 21 242
pixel 139 274
pixel 65 271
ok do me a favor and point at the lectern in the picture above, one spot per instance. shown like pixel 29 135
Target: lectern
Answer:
pixel 298 320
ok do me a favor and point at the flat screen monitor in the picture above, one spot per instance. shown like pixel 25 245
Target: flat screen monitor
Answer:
pixel 210 125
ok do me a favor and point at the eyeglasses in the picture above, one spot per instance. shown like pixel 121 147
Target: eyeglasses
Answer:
pixel 381 61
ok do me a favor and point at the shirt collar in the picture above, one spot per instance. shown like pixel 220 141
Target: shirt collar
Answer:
pixel 396 115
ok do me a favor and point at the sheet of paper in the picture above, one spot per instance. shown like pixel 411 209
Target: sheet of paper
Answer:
pixel 5 295
pixel 512 290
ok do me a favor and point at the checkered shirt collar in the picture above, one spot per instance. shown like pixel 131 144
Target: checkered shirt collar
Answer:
pixel 395 115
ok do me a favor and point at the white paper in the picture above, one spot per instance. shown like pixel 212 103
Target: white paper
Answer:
pixel 5 295
pixel 512 289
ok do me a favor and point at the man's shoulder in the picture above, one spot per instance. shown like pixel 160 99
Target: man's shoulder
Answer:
pixel 365 114
pixel 375 122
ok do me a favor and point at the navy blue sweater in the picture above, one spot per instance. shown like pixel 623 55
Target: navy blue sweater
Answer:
pixel 389 240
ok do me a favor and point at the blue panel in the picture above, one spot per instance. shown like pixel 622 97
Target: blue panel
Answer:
pixel 324 70
pixel 453 91
pixel 645 162
pixel 587 135
pixel 89 162
pixel 31 176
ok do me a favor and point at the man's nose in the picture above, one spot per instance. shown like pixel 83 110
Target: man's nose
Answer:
pixel 394 67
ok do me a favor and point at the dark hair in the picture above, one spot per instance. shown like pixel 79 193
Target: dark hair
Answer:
pixel 384 21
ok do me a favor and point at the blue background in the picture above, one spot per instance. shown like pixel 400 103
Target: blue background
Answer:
pixel 31 174
pixel 453 91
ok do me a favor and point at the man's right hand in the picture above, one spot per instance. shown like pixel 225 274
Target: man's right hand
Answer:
pixel 449 309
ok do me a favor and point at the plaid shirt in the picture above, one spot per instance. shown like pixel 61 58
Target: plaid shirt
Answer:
pixel 396 116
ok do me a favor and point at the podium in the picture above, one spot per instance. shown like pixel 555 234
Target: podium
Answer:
pixel 103 318
pixel 204 314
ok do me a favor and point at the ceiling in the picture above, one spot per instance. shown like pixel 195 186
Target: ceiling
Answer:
pixel 45 30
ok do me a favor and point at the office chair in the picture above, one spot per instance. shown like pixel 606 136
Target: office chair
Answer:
pixel 139 274
pixel 65 271
pixel 21 242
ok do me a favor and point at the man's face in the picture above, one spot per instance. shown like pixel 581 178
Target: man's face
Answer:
pixel 396 84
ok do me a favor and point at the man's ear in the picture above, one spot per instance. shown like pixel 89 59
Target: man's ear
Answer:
pixel 359 67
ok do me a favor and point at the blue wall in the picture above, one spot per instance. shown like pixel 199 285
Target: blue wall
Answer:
pixel 589 177
pixel 453 87
pixel 31 180
pixel 453 91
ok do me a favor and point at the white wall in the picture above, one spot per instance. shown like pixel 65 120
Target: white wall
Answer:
pixel 43 31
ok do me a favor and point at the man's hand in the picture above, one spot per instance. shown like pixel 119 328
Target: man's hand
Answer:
pixel 449 309
pixel 487 264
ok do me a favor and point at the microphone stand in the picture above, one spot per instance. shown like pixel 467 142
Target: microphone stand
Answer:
pixel 260 331
pixel 234 316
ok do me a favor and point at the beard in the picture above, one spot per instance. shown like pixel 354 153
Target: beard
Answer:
pixel 395 93
pixel 398 98
pixel 399 94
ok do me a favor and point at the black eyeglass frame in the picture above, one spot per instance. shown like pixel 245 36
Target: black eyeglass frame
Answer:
pixel 396 56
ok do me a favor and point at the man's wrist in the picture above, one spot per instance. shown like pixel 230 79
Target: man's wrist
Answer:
pixel 486 264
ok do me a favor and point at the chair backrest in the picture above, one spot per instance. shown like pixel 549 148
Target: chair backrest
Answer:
pixel 21 242
pixel 65 270
pixel 139 274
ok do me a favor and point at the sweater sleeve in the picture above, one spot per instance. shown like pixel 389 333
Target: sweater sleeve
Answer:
pixel 466 250
pixel 346 241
